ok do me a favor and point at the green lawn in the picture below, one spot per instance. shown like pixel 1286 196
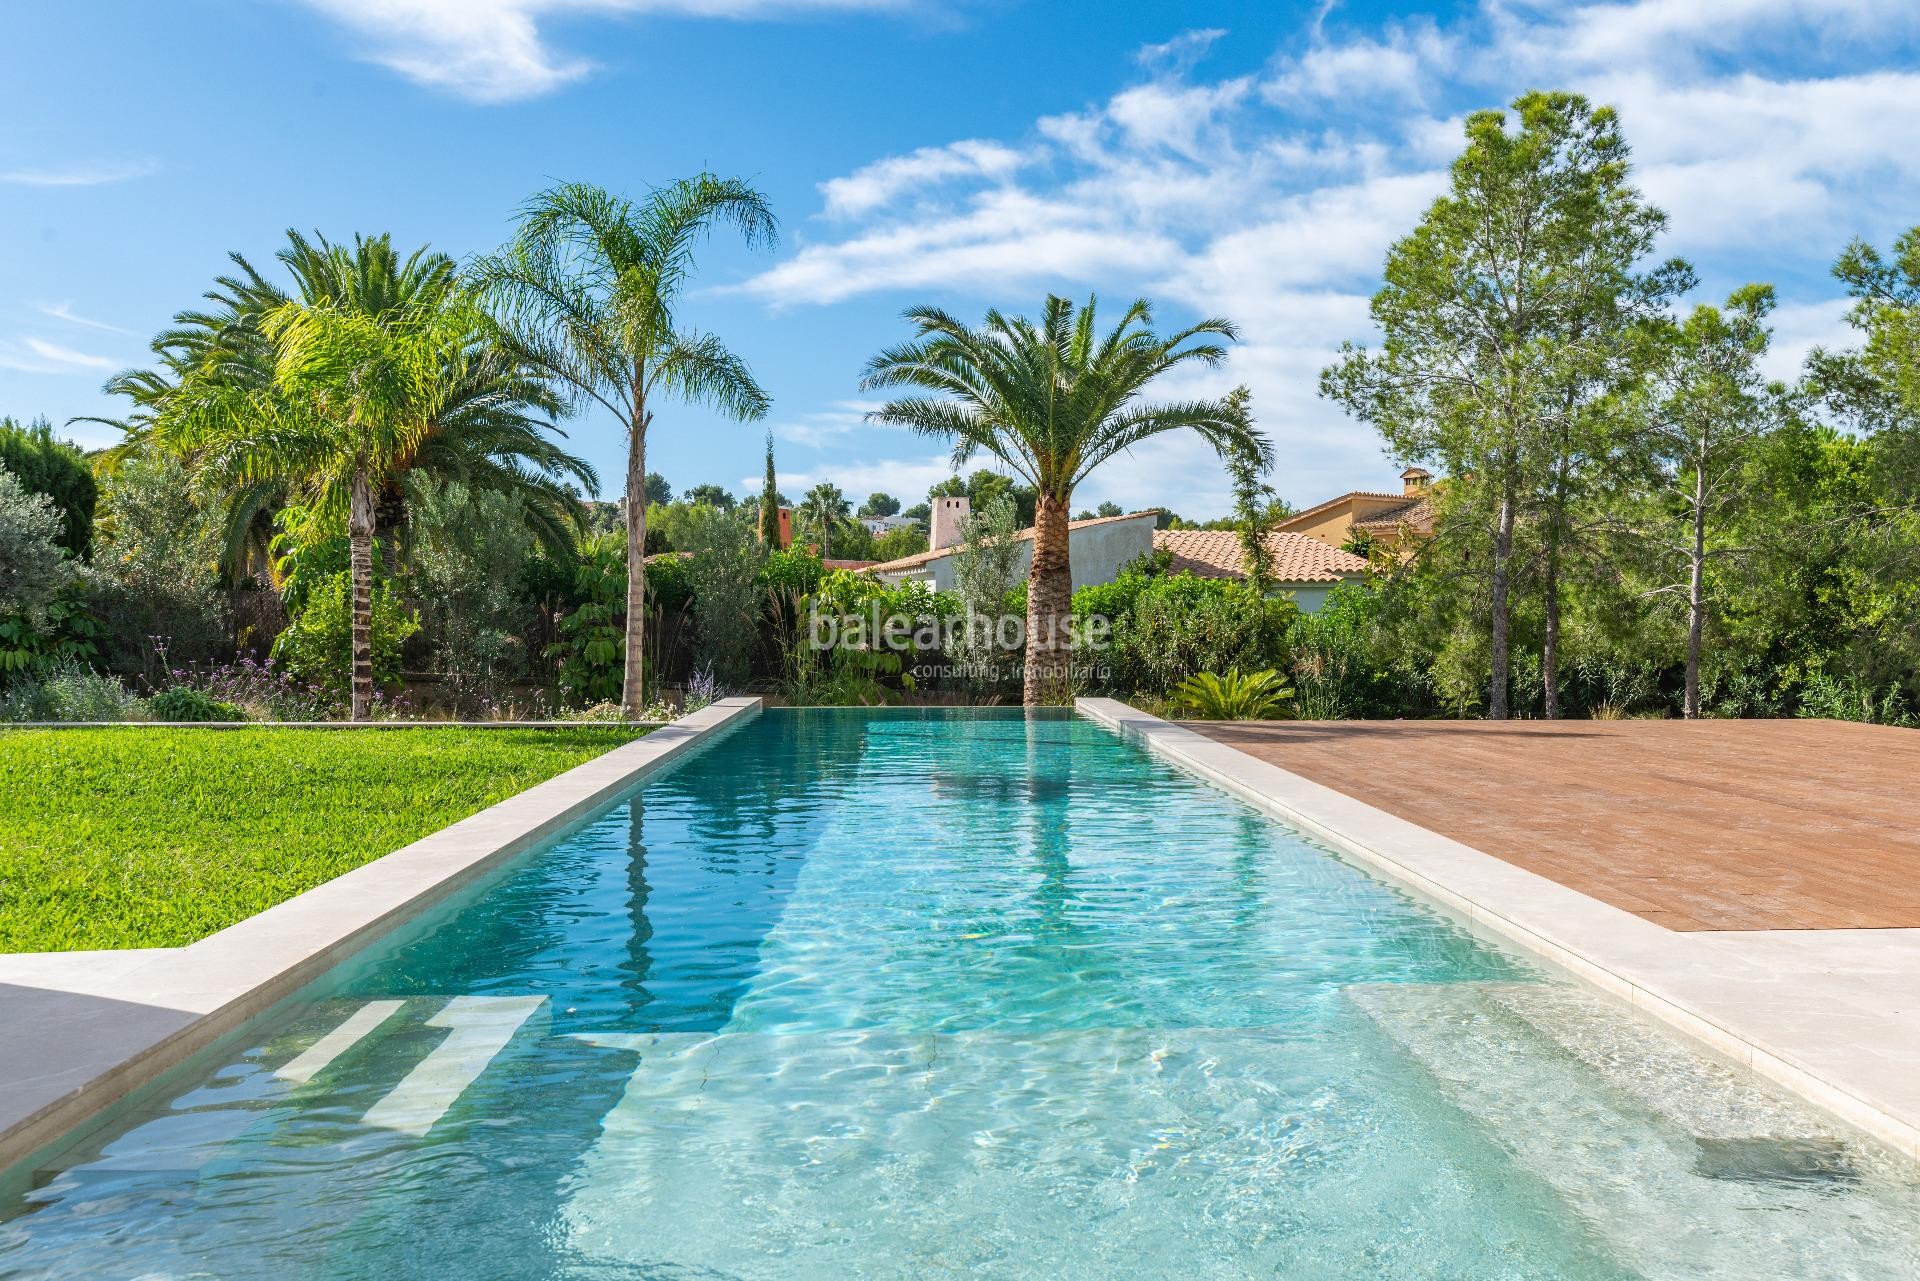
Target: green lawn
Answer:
pixel 157 837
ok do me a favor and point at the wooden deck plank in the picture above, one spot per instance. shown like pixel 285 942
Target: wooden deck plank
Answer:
pixel 1704 825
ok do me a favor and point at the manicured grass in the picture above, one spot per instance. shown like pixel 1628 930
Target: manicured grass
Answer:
pixel 157 837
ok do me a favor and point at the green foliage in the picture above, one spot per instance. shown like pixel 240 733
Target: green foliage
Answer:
pixel 897 544
pixel 1165 628
pixel 465 570
pixel 317 647
pixel 592 649
pixel 185 703
pixel 1508 319
pixel 66 690
pixel 724 570
pixel 56 468
pixel 34 569
pixel 879 504
pixel 1253 696
pixel 156 556
pixel 149 837
pixel 1054 400
pixel 981 488
pixel 62 632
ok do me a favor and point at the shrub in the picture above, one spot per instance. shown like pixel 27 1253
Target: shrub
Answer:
pixel 69 692
pixel 724 570
pixel 591 651
pixel 155 557
pixel 57 469
pixel 34 570
pixel 1256 696
pixel 263 691
pixel 465 571
pixel 185 703
pixel 318 646
pixel 1166 629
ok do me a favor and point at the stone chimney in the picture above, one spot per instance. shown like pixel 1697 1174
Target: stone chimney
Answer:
pixel 1415 481
pixel 949 514
pixel 786 528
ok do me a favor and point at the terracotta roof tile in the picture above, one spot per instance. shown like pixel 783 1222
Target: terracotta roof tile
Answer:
pixel 1216 553
pixel 1025 535
pixel 1416 514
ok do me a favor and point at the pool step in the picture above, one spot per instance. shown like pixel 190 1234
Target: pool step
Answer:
pixel 1668 1158
pixel 317 1057
pixel 480 1028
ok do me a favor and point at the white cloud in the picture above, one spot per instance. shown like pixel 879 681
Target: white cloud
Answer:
pixel 906 479
pixel 1007 239
pixel 38 356
pixel 1397 68
pixel 884 181
pixel 494 50
pixel 98 175
pixel 1799 327
pixel 823 427
pixel 1178 55
pixel 64 311
pixel 1770 130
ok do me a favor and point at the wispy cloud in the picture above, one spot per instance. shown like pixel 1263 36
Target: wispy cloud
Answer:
pixel 38 356
pixel 826 426
pixel 495 50
pixel 63 311
pixel 91 175
pixel 884 181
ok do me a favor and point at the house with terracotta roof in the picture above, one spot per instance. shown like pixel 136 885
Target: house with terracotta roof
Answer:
pixel 1098 548
pixel 1303 567
pixel 1102 546
pixel 1397 521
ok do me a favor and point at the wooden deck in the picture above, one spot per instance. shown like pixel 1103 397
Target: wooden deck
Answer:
pixel 1708 825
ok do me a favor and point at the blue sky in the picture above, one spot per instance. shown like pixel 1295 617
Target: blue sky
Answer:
pixel 1252 160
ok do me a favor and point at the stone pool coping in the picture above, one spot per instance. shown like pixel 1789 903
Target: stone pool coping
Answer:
pixel 86 1029
pixel 1832 1015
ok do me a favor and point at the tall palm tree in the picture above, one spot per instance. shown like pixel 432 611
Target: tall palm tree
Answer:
pixel 587 291
pixel 1053 401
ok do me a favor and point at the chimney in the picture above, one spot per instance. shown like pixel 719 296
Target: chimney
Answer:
pixel 1415 481
pixel 786 528
pixel 949 514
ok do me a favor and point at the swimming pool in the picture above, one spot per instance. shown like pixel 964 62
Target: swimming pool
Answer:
pixel 952 993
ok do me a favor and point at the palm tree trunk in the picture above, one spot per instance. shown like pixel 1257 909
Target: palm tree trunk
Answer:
pixel 633 695
pixel 1049 606
pixel 1502 573
pixel 360 562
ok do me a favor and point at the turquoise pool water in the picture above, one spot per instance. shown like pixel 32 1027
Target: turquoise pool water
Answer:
pixel 946 994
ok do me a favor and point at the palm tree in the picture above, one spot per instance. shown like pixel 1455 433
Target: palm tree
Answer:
pixel 587 290
pixel 379 371
pixel 494 430
pixel 1052 402
pixel 827 507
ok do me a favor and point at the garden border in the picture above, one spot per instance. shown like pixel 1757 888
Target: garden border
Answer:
pixel 110 1022
pixel 1842 1047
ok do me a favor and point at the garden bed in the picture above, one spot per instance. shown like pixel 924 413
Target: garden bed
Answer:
pixel 156 837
